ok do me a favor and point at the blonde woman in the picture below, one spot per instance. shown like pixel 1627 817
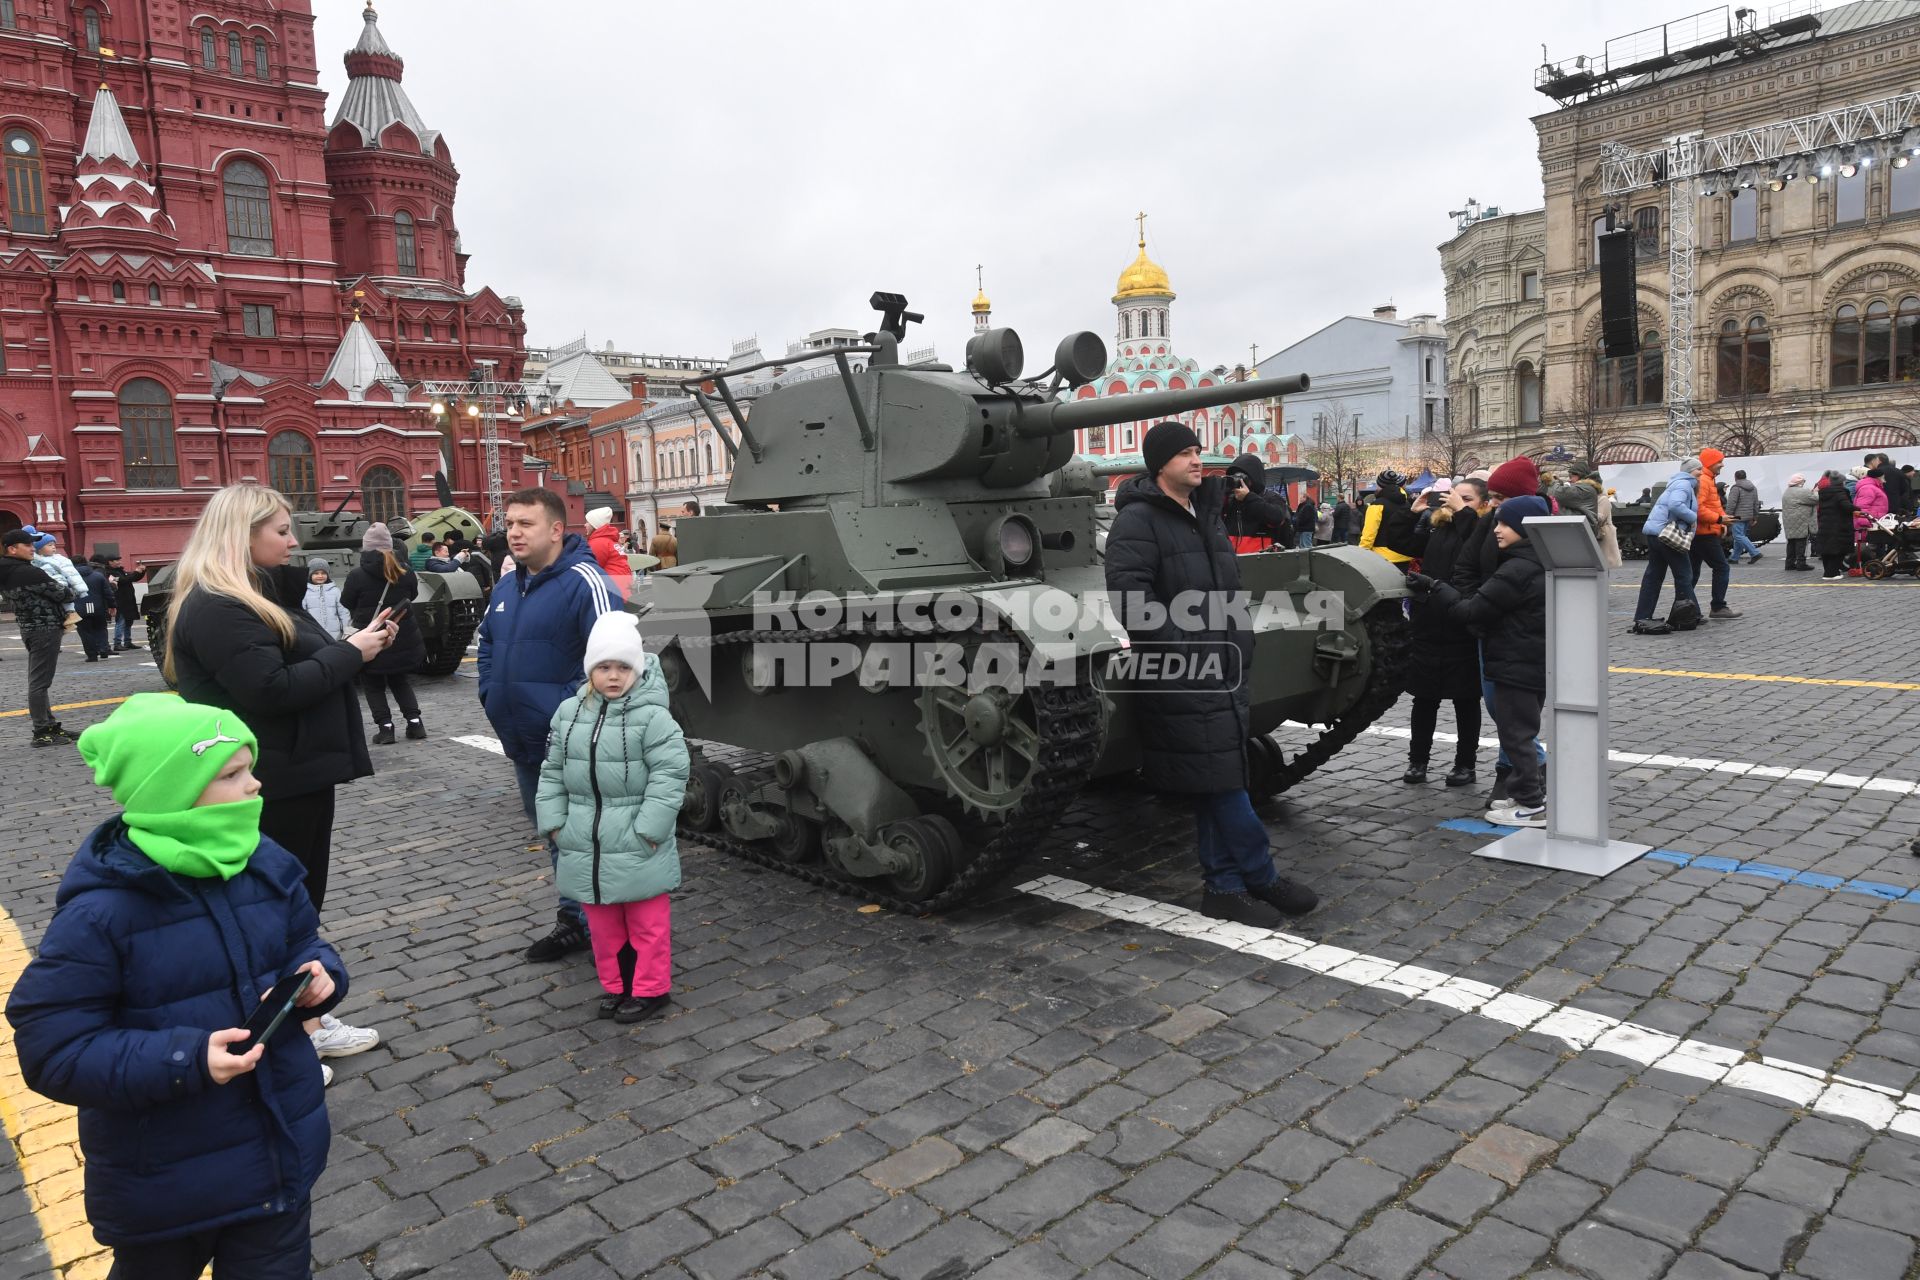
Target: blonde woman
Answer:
pixel 237 637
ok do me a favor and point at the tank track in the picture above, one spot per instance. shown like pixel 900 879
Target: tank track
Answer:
pixel 1069 727
pixel 1388 635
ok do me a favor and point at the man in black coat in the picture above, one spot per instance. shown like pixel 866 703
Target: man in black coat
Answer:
pixel 126 604
pixel 1254 520
pixel 1168 564
pixel 39 604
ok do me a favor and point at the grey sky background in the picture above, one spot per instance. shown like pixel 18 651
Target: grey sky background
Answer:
pixel 674 177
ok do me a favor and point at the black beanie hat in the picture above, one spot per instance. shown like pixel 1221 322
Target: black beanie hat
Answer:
pixel 1163 441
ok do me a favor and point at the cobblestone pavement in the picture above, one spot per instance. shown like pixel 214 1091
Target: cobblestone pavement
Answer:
pixel 1035 1088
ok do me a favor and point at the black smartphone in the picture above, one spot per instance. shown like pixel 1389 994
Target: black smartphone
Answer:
pixel 272 1011
pixel 400 611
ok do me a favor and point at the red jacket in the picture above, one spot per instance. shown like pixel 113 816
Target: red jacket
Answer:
pixel 605 545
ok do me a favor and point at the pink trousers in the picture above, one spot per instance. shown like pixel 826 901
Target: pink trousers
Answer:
pixel 647 928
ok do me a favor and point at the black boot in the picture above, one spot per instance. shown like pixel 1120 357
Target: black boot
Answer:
pixel 415 729
pixel 384 738
pixel 640 1008
pixel 1287 896
pixel 566 936
pixel 1462 776
pixel 1240 908
pixel 1416 773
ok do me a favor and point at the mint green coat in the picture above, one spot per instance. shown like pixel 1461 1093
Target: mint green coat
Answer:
pixel 611 787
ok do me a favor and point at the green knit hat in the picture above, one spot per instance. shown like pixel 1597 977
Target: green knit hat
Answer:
pixel 156 753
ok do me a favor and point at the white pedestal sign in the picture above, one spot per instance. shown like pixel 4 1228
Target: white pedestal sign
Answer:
pixel 1575 719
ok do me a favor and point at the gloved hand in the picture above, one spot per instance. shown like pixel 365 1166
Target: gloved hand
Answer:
pixel 1419 583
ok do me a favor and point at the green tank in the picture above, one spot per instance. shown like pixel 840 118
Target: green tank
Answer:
pixel 449 605
pixel 875 510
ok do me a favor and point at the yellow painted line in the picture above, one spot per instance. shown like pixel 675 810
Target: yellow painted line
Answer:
pixel 46 1141
pixel 1757 678
pixel 74 706
pixel 1793 586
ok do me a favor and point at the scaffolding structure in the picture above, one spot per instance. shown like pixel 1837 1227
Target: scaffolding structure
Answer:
pixel 488 400
pixel 1810 148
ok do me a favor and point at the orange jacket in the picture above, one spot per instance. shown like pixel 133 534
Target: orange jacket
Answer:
pixel 1713 516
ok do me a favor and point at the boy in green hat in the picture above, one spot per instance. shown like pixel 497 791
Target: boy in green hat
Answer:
pixel 173 920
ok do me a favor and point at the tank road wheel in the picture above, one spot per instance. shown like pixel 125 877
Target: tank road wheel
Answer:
pixel 797 841
pixel 1266 764
pixel 984 745
pixel 705 783
pixel 928 855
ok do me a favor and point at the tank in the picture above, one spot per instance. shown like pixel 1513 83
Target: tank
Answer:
pixel 449 605
pixel 873 512
pixel 1630 519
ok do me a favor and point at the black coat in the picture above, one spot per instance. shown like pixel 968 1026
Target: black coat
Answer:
pixel 366 592
pixel 1193 731
pixel 1443 660
pixel 1256 515
pixel 124 598
pixel 1509 612
pixel 1478 557
pixel 1836 521
pixel 38 602
pixel 300 702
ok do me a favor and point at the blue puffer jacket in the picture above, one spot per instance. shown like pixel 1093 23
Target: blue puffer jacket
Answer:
pixel 533 645
pixel 137 969
pixel 1681 502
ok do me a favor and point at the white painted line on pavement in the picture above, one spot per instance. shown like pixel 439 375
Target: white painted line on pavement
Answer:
pixel 1873 1105
pixel 1632 759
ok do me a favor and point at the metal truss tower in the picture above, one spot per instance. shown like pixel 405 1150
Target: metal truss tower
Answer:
pixel 1774 154
pixel 487 399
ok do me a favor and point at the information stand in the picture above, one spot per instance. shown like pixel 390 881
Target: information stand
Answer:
pixel 1575 721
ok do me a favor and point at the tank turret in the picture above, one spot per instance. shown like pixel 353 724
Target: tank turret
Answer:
pixel 871 492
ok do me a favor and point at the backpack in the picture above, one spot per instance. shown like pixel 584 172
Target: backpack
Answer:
pixel 1685 615
pixel 1397 525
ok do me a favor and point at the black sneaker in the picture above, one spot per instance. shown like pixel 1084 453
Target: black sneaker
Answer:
pixel 1240 908
pixel 566 936
pixel 416 730
pixel 384 738
pixel 1288 897
pixel 610 1003
pixel 640 1008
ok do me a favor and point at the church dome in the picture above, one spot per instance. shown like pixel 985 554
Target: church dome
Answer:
pixel 1144 279
pixel 980 304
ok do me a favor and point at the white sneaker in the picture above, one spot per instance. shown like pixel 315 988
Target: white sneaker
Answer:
pixel 326 1075
pixel 335 1039
pixel 1510 813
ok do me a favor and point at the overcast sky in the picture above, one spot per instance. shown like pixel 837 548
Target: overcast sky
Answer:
pixel 674 177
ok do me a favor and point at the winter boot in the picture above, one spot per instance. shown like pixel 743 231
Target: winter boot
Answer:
pixel 384 738
pixel 1287 896
pixel 415 729
pixel 640 1008
pixel 1463 775
pixel 1240 908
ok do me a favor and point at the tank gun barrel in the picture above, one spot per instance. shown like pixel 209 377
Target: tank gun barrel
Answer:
pixel 1057 418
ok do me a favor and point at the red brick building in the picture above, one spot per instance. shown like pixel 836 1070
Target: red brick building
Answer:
pixel 203 280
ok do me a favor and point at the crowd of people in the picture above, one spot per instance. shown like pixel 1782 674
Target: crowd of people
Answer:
pixel 203 1126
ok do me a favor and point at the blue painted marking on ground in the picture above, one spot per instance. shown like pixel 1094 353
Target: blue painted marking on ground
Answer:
pixel 1726 866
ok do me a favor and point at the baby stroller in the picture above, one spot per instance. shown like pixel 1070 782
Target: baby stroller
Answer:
pixel 1891 546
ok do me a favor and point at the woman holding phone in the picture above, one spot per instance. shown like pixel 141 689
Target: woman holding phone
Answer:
pixel 237 637
pixel 380 581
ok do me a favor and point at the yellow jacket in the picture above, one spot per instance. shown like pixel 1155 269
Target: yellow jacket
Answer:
pixel 1372 530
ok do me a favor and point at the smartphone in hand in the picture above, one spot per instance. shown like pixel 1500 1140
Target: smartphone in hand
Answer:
pixel 272 1011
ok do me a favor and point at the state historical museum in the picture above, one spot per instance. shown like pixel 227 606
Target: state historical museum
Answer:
pixel 203 281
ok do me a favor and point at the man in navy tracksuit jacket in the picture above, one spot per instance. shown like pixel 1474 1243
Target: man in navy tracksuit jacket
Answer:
pixel 533 646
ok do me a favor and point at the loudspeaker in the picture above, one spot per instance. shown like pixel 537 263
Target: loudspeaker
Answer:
pixel 1619 318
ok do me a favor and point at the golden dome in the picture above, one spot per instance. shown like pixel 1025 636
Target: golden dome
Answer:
pixel 980 304
pixel 1144 279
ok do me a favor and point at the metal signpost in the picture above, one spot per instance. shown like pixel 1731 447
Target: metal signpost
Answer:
pixel 1575 837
